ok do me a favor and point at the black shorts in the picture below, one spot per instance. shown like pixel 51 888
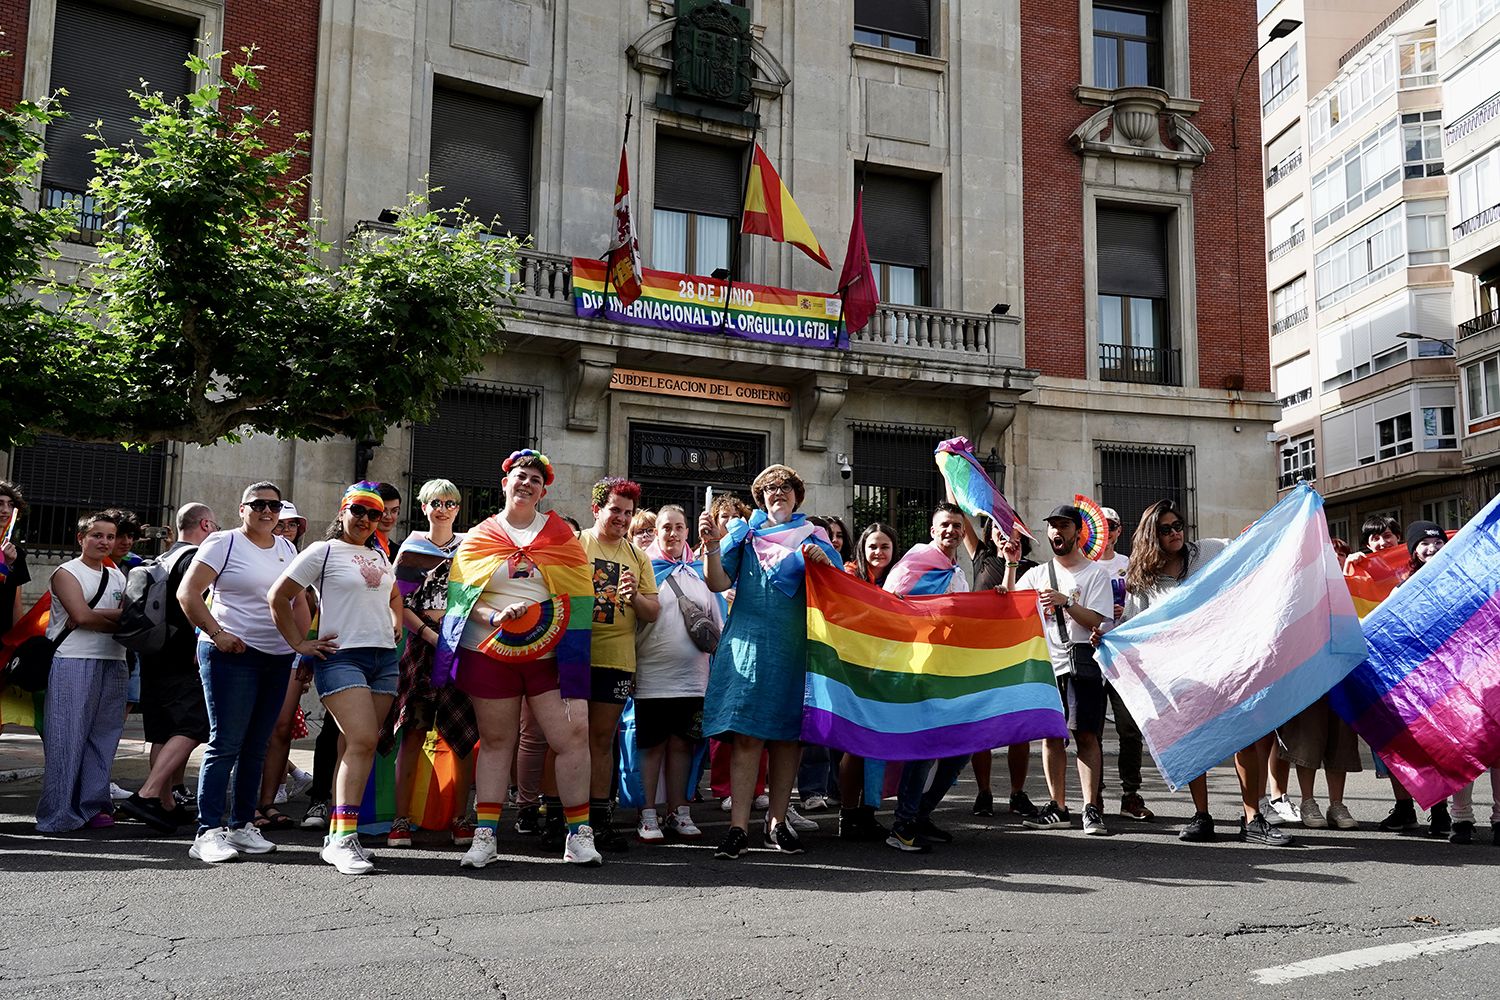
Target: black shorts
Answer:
pixel 656 719
pixel 172 704
pixel 611 686
pixel 1083 701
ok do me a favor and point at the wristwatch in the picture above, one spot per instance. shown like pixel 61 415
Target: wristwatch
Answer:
pixel 1069 604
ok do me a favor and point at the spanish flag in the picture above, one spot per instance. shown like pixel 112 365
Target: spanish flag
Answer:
pixel 770 210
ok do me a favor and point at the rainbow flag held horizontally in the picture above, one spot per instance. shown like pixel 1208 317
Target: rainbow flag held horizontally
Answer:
pixel 1373 578
pixel 915 678
pixel 1428 698
pixel 1256 635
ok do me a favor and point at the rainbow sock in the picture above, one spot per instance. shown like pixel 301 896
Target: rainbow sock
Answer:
pixel 576 816
pixel 488 814
pixel 342 821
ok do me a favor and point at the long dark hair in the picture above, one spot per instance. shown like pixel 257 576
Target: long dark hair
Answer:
pixel 859 550
pixel 1148 559
pixel 846 541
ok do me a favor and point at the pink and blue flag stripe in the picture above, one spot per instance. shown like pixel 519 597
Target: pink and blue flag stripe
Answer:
pixel 923 570
pixel 1249 640
pixel 1428 697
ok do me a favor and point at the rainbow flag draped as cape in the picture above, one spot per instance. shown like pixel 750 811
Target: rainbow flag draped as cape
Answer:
pixel 915 678
pixel 1373 578
pixel 565 571
pixel 972 487
pixel 923 570
pixel 1428 698
pixel 1253 637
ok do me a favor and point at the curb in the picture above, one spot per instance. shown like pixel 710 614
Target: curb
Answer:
pixel 21 774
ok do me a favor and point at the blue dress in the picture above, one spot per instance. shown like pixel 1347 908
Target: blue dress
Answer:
pixel 758 672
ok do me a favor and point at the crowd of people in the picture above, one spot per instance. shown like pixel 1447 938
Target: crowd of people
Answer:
pixel 477 636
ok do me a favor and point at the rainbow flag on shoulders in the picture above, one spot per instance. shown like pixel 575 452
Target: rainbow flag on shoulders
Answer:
pixel 1428 698
pixel 915 678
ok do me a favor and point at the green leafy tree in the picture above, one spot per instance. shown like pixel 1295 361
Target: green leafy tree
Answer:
pixel 214 309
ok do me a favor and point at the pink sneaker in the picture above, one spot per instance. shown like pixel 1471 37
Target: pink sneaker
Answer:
pixel 100 821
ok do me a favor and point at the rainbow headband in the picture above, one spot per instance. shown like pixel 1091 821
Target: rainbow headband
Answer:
pixel 516 456
pixel 365 494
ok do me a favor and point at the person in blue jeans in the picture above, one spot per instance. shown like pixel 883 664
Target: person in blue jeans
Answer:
pixel 245 665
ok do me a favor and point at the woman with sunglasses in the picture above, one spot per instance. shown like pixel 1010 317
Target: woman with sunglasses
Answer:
pixel 354 654
pixel 245 664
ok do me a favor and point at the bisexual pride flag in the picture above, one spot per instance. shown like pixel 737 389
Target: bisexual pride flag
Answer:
pixel 1250 639
pixel 1428 698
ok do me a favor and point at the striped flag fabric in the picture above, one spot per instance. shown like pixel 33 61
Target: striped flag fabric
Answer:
pixel 1428 697
pixel 972 487
pixel 923 570
pixel 914 678
pixel 1253 637
pixel 1374 578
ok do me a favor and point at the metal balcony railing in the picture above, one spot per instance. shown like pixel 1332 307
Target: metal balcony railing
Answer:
pixel 1479 324
pixel 1141 365
pixel 1474 223
pixel 1285 246
pixel 1289 479
pixel 1297 397
pixel 1281 171
pixel 1471 121
pixel 1290 320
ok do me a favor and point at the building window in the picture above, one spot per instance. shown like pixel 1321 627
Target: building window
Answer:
pixel 1279 80
pixel 1427 232
pixel 1446 513
pixel 1370 340
pixel 1338 528
pixel 1133 477
pixel 1422 143
pixel 477 425
pixel 1358 88
pixel 1478 193
pixel 480 157
pixel 1299 460
pixel 902 25
pixel 1439 428
pixel 895 480
pixel 1371 166
pixel 98 89
pixel 1134 288
pixel 1419 66
pixel 1286 230
pixel 1289 304
pixel 1371 252
pixel 1283 154
pixel 1128 45
pixel 1483 384
pixel 698 190
pixel 1393 436
pixel 1470 89
pixel 1293 381
pixel 64 479
pixel 898 228
pixel 1457 18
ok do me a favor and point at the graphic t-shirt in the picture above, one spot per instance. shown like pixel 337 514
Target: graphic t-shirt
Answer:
pixel 1088 585
pixel 614 617
pixel 354 584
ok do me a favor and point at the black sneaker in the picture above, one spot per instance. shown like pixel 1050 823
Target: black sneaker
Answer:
pixel 1438 822
pixel 926 828
pixel 1021 805
pixel 606 837
pixel 529 820
pixel 150 812
pixel 783 838
pixel 1401 818
pixel 904 837
pixel 1053 817
pixel 984 804
pixel 185 798
pixel 860 825
pixel 1199 830
pixel 1258 831
pixel 1463 832
pixel 554 829
pixel 734 845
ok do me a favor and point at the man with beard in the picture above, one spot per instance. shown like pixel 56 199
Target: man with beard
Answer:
pixel 1075 597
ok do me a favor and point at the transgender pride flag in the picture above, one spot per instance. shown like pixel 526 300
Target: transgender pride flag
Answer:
pixel 1428 698
pixel 1250 639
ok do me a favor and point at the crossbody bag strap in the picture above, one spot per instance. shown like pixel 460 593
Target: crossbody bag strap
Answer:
pixel 1062 626
pixel 69 628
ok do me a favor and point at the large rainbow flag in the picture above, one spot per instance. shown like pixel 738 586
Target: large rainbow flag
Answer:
pixel 17 707
pixel 434 786
pixel 1373 578
pixel 1253 637
pixel 972 487
pixel 915 678
pixel 1428 698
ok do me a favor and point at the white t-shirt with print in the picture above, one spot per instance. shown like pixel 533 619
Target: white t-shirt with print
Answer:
pixel 238 595
pixel 354 592
pixel 1089 588
pixel 1115 566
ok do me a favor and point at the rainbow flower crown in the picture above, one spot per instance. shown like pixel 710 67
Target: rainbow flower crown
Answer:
pixel 516 456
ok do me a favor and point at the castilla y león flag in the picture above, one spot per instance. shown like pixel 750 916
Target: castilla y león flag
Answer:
pixel 624 250
pixel 770 210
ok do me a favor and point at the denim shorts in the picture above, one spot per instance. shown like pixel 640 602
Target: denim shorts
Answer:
pixel 362 666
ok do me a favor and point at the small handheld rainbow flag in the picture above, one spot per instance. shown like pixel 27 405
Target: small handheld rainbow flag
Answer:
pixel 1375 577
pixel 972 487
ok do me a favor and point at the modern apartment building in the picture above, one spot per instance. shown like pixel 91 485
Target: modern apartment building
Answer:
pixel 1059 213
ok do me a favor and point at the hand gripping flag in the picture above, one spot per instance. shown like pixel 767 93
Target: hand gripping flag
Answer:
pixel 1252 638
pixel 1428 698
pixel 972 486
pixel 770 210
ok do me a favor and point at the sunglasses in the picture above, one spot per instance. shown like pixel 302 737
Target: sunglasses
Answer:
pixel 260 506
pixel 1175 528
pixel 360 511
pixel 1113 525
pixel 444 505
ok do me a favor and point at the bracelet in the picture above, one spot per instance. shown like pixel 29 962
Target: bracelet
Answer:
pixel 492 618
pixel 1009 563
pixel 215 634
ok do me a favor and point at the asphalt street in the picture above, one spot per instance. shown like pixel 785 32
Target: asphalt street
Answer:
pixel 1002 911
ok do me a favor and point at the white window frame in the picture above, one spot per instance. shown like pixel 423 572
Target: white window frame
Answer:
pixel 1283 75
pixel 1481 391
pixel 1422 52
pixel 1299 460
pixel 1476 187
pixel 1287 301
pixel 1426 232
pixel 1446 512
pixel 1457 18
pixel 1426 128
pixel 1357 260
pixel 1358 88
pixel 1376 158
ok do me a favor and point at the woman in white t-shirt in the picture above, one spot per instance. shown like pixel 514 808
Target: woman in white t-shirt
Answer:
pixel 354 658
pixel 245 665
pixel 86 688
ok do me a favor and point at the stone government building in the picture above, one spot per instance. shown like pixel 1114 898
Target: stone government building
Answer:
pixel 1069 274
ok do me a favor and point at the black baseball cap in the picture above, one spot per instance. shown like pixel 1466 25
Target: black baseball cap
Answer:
pixel 1067 512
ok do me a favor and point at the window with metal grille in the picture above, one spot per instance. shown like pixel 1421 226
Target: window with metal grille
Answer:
pixel 898 228
pixel 896 480
pixel 478 425
pixel 698 190
pixel 1134 285
pixel 903 25
pixel 64 479
pixel 676 465
pixel 139 47
pixel 481 155
pixel 1133 477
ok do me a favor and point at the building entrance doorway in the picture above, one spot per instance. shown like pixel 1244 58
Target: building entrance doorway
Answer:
pixel 674 464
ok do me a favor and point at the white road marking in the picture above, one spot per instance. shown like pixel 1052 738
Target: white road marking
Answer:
pixel 1368 958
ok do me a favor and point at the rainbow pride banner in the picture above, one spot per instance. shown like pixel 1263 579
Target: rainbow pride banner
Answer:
pixel 694 304
pixel 1373 578
pixel 916 678
pixel 1428 698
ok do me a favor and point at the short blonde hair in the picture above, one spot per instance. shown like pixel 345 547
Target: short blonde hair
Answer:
pixel 434 488
pixel 644 520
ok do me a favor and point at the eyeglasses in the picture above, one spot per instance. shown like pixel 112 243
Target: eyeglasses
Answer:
pixel 1175 528
pixel 444 505
pixel 260 506
pixel 360 511
pixel 781 488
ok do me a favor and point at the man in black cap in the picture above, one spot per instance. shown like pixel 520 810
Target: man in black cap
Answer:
pixel 1075 597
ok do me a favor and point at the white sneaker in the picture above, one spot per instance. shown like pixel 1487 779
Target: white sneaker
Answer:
pixel 297 782
pixel 344 854
pixel 1339 816
pixel 116 793
pixel 248 840
pixel 815 803
pixel 580 848
pixel 481 850
pixel 649 830
pixel 726 803
pixel 213 846
pixel 799 822
pixel 681 823
pixel 279 799
pixel 1312 816
pixel 762 802
pixel 1279 810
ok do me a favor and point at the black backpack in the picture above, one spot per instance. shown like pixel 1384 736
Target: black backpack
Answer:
pixel 143 618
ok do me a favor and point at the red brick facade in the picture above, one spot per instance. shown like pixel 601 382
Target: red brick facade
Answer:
pixel 15 15
pixel 1222 37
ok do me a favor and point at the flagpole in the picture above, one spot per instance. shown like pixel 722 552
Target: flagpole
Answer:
pixel 739 234
pixel 609 255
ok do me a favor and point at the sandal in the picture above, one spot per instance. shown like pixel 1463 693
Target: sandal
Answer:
pixel 268 817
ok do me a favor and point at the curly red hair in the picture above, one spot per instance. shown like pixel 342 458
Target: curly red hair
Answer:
pixel 616 485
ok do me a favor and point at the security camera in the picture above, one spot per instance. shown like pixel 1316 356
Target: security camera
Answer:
pixel 845 469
